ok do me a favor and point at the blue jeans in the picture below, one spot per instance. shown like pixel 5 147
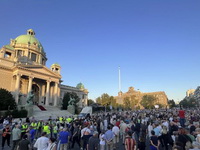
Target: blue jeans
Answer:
pixel 182 122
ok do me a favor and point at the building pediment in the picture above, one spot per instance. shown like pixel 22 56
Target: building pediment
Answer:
pixel 38 70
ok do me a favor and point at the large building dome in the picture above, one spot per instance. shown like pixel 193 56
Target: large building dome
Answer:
pixel 29 39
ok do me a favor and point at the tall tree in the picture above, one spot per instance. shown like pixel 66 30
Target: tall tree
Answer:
pixel 134 101
pixel 127 103
pixel 148 101
pixel 65 100
pixel 90 102
pixel 104 100
pixel 171 103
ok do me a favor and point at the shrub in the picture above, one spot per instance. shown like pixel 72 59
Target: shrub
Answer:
pixel 8 113
pixel 7 102
pixel 23 113
pixel 15 113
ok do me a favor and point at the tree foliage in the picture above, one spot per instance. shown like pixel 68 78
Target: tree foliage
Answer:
pixel 189 102
pixel 66 99
pixel 6 100
pixel 127 103
pixel 106 100
pixel 148 101
pixel 134 102
pixel 171 103
pixel 90 102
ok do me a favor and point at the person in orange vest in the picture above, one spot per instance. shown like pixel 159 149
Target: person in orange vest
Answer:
pixel 6 136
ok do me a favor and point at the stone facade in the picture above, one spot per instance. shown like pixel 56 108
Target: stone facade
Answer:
pixel 137 95
pixel 23 70
pixel 190 92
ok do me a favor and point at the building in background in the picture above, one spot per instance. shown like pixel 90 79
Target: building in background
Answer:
pixel 161 97
pixel 190 92
pixel 23 70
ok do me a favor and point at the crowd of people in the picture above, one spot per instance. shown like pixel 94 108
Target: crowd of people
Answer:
pixel 158 129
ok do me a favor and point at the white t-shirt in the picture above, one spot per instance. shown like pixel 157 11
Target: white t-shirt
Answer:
pixel 102 141
pixel 42 143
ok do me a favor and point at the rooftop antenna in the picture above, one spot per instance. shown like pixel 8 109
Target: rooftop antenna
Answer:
pixel 119 80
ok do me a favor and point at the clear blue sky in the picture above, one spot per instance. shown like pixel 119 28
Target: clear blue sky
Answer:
pixel 156 43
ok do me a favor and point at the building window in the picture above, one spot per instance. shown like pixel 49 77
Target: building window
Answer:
pixel 43 61
pixel 33 57
pixel 7 55
pixel 83 96
pixel 20 53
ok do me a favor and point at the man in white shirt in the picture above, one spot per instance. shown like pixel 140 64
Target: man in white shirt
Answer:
pixel 115 130
pixel 42 142
pixel 123 127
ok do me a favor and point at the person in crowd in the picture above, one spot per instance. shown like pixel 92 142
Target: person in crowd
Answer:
pixel 154 142
pixel 24 144
pixel 93 143
pixel 64 138
pixel 42 142
pixel 130 143
pixel 85 134
pixel 102 140
pixel 6 136
pixel 182 117
pixel 16 136
pixel 116 132
pixel 52 144
pixel 109 136
pixel 76 136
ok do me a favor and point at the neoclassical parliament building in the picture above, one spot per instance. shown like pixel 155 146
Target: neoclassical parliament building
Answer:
pixel 23 69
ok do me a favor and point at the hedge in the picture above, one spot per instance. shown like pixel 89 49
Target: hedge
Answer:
pixel 16 113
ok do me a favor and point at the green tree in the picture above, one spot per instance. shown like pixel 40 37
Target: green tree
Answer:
pixel 90 102
pixel 65 101
pixel 127 103
pixel 171 103
pixel 148 101
pixel 189 102
pixel 6 100
pixel 106 100
pixel 134 102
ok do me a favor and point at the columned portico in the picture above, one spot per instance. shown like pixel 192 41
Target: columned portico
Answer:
pixel 47 93
pixel 17 87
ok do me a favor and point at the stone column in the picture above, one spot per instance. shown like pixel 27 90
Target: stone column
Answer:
pixel 17 88
pixel 56 94
pixel 47 93
pixel 30 84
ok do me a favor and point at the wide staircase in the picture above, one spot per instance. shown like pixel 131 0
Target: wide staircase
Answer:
pixel 45 111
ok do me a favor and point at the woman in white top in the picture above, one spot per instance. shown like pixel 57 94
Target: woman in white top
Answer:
pixel 102 141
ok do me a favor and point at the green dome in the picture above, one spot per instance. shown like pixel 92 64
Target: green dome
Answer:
pixel 80 86
pixel 29 39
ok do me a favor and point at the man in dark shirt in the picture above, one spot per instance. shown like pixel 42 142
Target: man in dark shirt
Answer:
pixel 24 144
pixel 93 142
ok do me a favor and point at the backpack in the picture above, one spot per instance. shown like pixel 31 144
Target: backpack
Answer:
pixel 188 144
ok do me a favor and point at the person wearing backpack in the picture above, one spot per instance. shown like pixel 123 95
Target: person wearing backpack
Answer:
pixel 184 138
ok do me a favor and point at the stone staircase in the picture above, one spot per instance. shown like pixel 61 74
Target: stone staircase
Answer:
pixel 52 111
